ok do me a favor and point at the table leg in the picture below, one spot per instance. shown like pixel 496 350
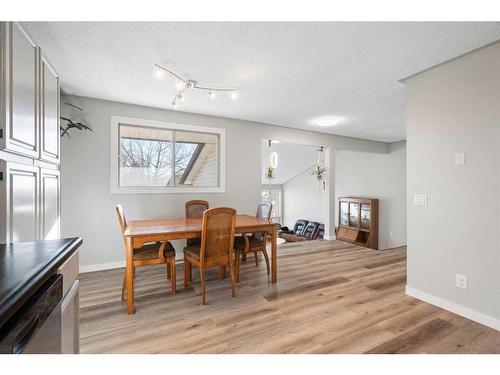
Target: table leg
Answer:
pixel 222 272
pixel 237 265
pixel 274 256
pixel 130 275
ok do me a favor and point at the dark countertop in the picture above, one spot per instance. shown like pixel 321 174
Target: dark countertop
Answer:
pixel 25 266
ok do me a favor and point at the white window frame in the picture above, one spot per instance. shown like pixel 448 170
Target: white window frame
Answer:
pixel 115 157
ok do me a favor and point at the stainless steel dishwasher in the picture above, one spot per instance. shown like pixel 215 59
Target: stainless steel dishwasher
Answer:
pixel 36 327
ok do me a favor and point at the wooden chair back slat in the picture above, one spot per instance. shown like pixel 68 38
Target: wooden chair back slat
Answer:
pixel 195 208
pixel 217 236
pixel 121 217
pixel 264 210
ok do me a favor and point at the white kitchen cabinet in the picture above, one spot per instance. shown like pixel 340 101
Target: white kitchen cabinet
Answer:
pixel 50 208
pixel 19 190
pixel 32 207
pixel 19 81
pixel 29 139
pixel 49 112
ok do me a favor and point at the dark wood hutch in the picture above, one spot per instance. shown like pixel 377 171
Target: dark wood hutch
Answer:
pixel 358 221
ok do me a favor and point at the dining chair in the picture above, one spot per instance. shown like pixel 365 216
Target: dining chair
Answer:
pixel 255 242
pixel 215 248
pixel 149 254
pixel 195 209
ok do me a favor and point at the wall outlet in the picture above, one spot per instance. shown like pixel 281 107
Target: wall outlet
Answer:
pixel 461 281
pixel 460 158
pixel 420 199
pixel 391 234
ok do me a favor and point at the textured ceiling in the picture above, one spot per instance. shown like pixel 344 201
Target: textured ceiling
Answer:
pixel 289 73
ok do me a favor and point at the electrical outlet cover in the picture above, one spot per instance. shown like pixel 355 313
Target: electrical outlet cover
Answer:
pixel 461 281
pixel 420 199
pixel 460 158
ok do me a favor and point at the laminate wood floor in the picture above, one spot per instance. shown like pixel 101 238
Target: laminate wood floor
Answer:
pixel 331 297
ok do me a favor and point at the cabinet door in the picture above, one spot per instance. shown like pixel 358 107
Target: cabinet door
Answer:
pixel 344 213
pixel 50 209
pixel 49 101
pixel 20 192
pixel 365 216
pixel 19 107
pixel 353 214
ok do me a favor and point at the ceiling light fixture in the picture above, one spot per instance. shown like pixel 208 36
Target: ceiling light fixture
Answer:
pixel 179 84
pixel 327 121
pixel 160 74
pixel 185 84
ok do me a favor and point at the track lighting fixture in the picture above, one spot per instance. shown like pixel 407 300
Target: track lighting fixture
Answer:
pixel 185 84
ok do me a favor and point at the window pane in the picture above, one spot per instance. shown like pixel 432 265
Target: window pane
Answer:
pixel 196 159
pixel 145 156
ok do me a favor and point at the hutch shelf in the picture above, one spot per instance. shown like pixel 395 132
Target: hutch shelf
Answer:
pixel 358 221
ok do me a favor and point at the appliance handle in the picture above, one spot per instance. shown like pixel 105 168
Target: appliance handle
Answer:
pixel 25 334
pixel 70 295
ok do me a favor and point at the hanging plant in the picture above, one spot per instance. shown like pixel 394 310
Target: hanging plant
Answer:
pixel 270 173
pixel 70 124
pixel 319 172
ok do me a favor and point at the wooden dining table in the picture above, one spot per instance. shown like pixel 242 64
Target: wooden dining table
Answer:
pixel 139 232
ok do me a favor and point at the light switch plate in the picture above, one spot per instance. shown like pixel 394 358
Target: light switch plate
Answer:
pixel 459 158
pixel 420 200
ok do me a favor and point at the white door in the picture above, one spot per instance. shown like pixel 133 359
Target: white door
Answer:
pixel 49 100
pixel 19 117
pixel 19 190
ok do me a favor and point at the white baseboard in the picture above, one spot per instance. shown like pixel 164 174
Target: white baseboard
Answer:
pixel 455 308
pixel 392 244
pixel 102 266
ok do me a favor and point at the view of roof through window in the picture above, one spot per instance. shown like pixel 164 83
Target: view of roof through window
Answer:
pixel 164 157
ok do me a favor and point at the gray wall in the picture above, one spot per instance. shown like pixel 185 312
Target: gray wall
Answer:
pixel 361 174
pixel 455 107
pixel 88 206
pixel 303 198
pixel 293 159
